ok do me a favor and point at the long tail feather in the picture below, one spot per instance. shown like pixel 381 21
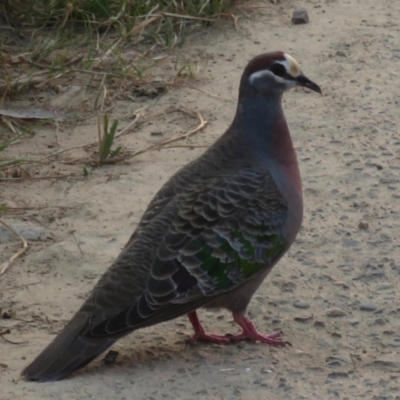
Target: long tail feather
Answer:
pixel 68 352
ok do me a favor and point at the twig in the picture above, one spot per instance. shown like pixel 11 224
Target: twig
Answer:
pixel 202 124
pixel 215 96
pixel 135 29
pixel 66 68
pixel 6 332
pixel 235 22
pixel 124 131
pixel 23 286
pixel 38 177
pixel 39 208
pixel 57 130
pixel 10 125
pixel 130 125
pixel 72 61
pixel 69 149
pixel 180 16
pixel 24 79
pixel 99 139
pixel 161 144
pixel 6 264
pixel 138 116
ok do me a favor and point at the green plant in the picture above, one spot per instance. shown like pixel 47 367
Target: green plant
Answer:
pixel 8 162
pixel 106 141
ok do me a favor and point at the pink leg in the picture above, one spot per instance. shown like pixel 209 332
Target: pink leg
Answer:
pixel 250 333
pixel 200 335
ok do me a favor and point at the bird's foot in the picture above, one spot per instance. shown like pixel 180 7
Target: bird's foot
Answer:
pixel 251 333
pixel 200 335
pixel 208 337
pixel 272 339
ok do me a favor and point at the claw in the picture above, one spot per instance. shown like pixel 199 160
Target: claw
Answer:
pixel 204 337
pixel 200 335
pixel 249 333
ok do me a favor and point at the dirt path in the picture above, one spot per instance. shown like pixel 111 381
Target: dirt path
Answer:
pixel 335 295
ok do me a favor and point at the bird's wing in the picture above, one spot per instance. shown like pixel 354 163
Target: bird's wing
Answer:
pixel 213 238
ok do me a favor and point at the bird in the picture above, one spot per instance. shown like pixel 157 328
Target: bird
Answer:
pixel 209 237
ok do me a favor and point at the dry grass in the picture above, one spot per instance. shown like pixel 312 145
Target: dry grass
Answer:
pixel 45 41
pixel 107 46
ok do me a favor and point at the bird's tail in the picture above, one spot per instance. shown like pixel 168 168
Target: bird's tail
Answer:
pixel 68 352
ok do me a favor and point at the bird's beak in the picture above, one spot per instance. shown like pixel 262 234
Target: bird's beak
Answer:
pixel 305 82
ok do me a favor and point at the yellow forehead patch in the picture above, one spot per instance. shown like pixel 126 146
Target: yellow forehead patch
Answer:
pixel 292 66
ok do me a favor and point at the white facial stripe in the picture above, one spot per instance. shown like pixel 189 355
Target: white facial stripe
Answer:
pixel 266 72
pixel 291 65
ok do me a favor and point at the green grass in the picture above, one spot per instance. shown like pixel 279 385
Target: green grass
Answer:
pixel 46 44
pixel 49 39
pixel 4 144
pixel 106 141
pixel 100 15
pixel 6 162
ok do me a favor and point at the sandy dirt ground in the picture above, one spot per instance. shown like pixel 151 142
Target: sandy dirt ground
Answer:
pixel 335 295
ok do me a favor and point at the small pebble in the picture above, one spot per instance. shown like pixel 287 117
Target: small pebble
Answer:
pixel 367 307
pixel 301 304
pixel 338 360
pixel 384 286
pixel 7 314
pixel 335 312
pixel 111 357
pixel 388 362
pixel 28 232
pixel 303 319
pixel 300 16
pixel 338 375
pixel 319 324
pixel 363 225
pixel 380 321
pixel 354 322
pixel 267 370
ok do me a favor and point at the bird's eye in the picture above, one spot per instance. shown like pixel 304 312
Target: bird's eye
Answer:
pixel 278 69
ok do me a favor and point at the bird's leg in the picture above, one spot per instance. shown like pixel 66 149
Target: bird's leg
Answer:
pixel 201 335
pixel 250 333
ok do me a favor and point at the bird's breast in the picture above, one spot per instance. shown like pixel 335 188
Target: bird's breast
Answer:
pixel 288 180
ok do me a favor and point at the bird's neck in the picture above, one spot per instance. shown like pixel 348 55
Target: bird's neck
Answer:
pixel 262 123
pixel 263 130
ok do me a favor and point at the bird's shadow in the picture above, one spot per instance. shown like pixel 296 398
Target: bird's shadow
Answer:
pixel 150 356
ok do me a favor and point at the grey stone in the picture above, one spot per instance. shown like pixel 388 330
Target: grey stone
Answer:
pixel 301 304
pixel 319 324
pixel 300 16
pixel 388 362
pixel 384 286
pixel 28 232
pixel 368 307
pixel 335 313
pixel 338 375
pixel 303 318
pixel 363 225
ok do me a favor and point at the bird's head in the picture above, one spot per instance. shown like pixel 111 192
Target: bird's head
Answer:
pixel 274 73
